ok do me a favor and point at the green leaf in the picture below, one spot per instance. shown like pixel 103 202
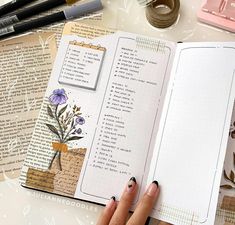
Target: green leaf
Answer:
pixel 49 112
pixel 225 175
pixel 62 111
pixel 231 175
pixel 234 158
pixel 226 186
pixel 53 129
pixel 72 124
pixel 233 134
pixel 74 138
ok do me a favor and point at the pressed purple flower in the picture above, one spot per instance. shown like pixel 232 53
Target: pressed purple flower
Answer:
pixel 79 131
pixel 58 97
pixel 80 120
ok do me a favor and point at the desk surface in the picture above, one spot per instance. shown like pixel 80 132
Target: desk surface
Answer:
pixel 26 207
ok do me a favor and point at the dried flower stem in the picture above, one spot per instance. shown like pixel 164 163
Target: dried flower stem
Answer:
pixel 58 121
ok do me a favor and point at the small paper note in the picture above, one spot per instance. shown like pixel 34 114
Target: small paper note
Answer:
pixel 81 65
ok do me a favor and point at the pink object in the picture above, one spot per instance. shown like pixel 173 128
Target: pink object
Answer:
pixel 229 9
pixel 219 13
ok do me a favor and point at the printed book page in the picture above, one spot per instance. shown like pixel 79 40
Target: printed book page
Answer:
pixel 191 143
pixel 84 136
pixel 86 31
pixel 34 65
pixel 25 67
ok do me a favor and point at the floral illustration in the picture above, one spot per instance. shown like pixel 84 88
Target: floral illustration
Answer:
pixel 230 177
pixel 58 97
pixel 232 130
pixel 67 123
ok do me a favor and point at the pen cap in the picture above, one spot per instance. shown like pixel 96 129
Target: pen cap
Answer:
pixel 81 9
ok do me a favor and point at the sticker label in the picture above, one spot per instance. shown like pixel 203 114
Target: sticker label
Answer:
pixel 6 30
pixel 8 21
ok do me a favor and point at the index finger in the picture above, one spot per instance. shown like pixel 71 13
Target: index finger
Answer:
pixel 145 205
pixel 121 213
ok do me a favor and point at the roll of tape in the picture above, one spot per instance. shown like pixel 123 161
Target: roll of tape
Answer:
pixel 162 13
pixel 70 2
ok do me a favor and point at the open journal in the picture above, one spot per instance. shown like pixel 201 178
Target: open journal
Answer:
pixel 126 105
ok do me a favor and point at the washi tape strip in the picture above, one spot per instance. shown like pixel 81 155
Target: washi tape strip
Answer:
pixel 150 44
pixel 179 215
pixel 163 13
pixel 82 44
pixel 60 147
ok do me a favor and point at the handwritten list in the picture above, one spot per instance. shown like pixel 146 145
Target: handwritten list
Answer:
pixel 82 64
pixel 130 105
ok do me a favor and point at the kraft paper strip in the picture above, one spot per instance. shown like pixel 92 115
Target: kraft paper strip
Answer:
pixel 228 203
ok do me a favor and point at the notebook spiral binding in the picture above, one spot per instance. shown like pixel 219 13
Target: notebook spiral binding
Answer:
pixel 150 44
pixel 83 44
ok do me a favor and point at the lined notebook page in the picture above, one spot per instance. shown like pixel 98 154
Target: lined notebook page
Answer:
pixel 192 139
pixel 132 88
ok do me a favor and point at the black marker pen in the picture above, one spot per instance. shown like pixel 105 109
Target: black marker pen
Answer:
pixel 69 13
pixel 32 11
pixel 13 5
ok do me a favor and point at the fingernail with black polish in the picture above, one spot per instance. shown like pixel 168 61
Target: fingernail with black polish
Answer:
pixel 152 189
pixel 111 202
pixel 155 182
pixel 131 184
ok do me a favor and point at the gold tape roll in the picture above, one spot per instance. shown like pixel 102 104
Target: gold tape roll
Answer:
pixel 162 18
pixel 70 2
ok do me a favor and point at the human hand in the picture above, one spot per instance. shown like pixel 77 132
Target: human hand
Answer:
pixel 117 213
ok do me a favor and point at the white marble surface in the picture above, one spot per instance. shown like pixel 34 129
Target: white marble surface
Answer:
pixel 27 207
